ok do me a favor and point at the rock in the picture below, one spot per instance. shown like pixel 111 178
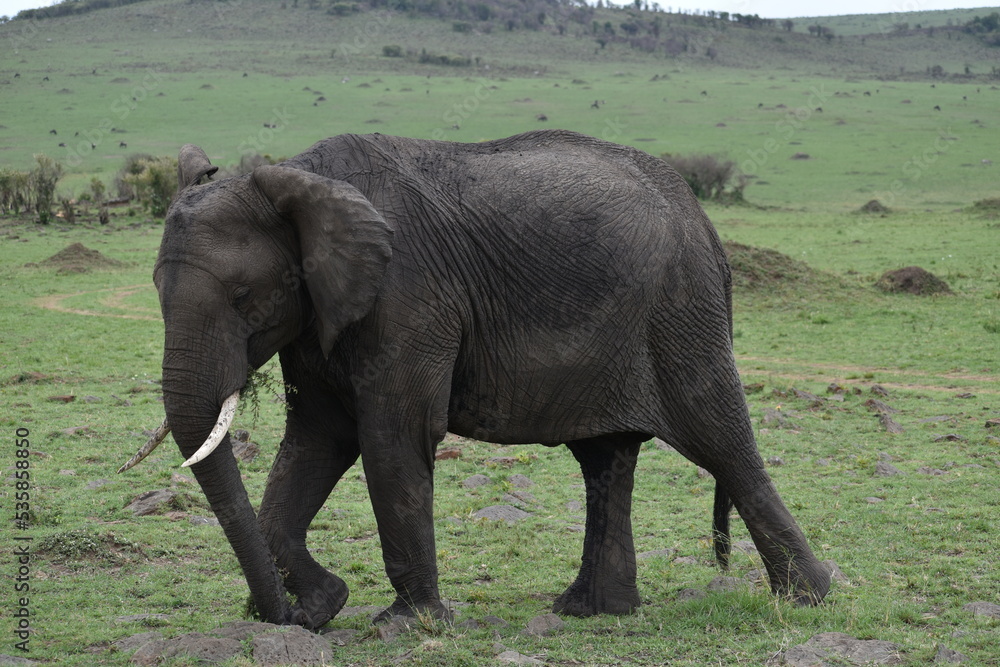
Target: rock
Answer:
pixel 691 594
pixel 245 452
pixel 96 484
pixel 657 553
pixel 544 625
pixel 686 560
pixel 875 206
pixel 746 546
pixel 515 658
pixel 134 642
pixel 927 470
pixel 879 390
pixel 507 513
pixel 367 610
pixel 947 655
pixel 983 609
pixel 13 660
pixel 242 630
pixel 949 437
pixel 518 498
pixel 874 500
pixel 574 506
pixel 878 406
pixel 476 481
pixel 395 626
pixel 150 502
pixel 837 647
pixel 292 645
pixel 204 521
pixel 774 418
pixel 507 461
pixel 340 637
pixel 775 461
pixel 726 584
pixel 889 424
pixel 886 469
pixel 197 646
pixel 136 618
pixel 520 481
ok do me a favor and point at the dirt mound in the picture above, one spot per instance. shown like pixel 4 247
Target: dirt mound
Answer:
pixel 987 208
pixel 78 258
pixel 914 280
pixel 763 268
pixel 874 206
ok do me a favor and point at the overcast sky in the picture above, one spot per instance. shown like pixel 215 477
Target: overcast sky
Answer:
pixel 764 8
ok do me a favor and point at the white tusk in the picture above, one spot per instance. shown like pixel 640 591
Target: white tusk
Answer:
pixel 226 415
pixel 154 441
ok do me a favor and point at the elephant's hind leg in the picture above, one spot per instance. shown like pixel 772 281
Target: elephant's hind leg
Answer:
pixel 606 582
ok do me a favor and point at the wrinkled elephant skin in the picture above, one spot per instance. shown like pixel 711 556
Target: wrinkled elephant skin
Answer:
pixel 545 288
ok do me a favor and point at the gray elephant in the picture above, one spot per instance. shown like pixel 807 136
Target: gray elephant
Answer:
pixel 546 288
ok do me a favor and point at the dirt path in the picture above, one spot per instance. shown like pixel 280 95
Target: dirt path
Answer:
pixel 115 299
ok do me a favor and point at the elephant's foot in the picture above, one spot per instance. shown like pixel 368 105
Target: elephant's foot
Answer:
pixel 806 587
pixel 318 605
pixel 401 607
pixel 590 599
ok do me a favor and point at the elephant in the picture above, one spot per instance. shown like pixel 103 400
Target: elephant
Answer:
pixel 547 288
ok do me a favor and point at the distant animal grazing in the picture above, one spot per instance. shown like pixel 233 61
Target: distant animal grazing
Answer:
pixel 541 117
pixel 122 144
pixel 937 108
pixel 596 105
pixel 53 132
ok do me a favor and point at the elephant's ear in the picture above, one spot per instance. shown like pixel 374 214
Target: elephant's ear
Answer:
pixel 192 164
pixel 345 243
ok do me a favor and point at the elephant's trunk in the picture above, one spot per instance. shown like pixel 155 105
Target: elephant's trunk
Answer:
pixel 194 396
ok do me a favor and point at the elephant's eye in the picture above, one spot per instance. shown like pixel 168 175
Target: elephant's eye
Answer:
pixel 242 296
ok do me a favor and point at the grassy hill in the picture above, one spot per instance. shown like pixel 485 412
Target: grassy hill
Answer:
pixel 150 76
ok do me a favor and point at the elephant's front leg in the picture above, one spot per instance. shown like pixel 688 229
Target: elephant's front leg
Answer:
pixel 606 583
pixel 320 444
pixel 401 486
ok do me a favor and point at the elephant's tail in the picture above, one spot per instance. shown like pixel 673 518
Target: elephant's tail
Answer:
pixel 720 526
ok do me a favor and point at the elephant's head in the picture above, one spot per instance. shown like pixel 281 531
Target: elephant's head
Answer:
pixel 245 266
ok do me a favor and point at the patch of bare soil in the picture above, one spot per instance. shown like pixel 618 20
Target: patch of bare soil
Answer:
pixel 763 268
pixel 78 258
pixel 913 280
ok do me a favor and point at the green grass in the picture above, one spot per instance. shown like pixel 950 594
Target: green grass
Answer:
pixel 913 560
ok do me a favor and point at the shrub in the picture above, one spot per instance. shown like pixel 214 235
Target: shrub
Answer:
pixel 133 166
pixel 15 190
pixel 392 51
pixel 709 176
pixel 43 181
pixel 155 184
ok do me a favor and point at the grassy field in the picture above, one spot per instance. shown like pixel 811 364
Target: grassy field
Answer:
pixel 80 352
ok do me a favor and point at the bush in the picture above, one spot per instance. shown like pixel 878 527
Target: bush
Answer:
pixel 448 60
pixel 15 191
pixel 154 182
pixel 133 166
pixel 709 176
pixel 392 51
pixel 43 181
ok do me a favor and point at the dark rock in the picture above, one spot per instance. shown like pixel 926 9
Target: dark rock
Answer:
pixel 691 594
pixel 476 481
pixel 134 642
pixel 150 502
pixel 200 647
pixel 838 647
pixel 947 655
pixel 515 658
pixel 949 437
pixel 520 481
pixel 543 625
pixel 507 513
pixel 885 469
pixel 245 452
pixel 726 584
pixel 878 406
pixel 291 646
pixel 927 470
pixel 983 609
pixel 394 627
pixel 890 425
